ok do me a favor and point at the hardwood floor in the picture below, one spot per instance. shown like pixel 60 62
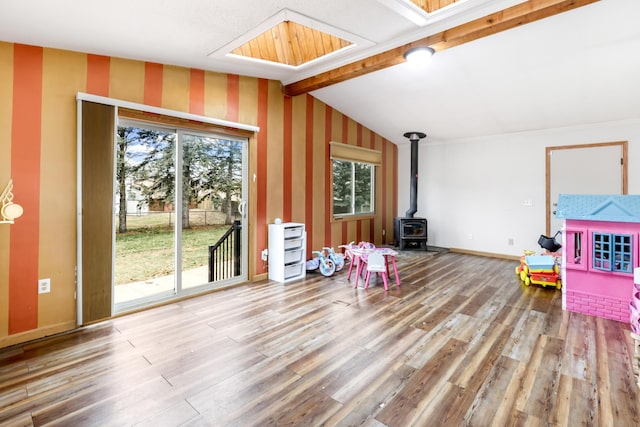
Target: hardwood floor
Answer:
pixel 462 342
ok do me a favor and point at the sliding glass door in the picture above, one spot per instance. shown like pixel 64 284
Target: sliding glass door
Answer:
pixel 145 232
pixel 168 224
pixel 212 203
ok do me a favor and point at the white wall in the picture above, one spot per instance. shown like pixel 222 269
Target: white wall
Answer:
pixel 471 190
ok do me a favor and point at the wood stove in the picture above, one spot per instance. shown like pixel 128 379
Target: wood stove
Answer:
pixel 410 233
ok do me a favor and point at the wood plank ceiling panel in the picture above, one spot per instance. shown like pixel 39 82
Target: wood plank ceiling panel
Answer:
pixel 291 44
pixel 432 5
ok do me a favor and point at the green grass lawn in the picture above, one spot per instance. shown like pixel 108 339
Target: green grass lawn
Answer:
pixel 147 251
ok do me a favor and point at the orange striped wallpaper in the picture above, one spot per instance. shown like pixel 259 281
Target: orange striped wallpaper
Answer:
pixel 233 97
pixel 287 166
pixel 196 92
pixel 98 74
pixel 25 170
pixel 153 84
pixel 262 169
pixel 6 107
pixel 65 72
pixel 289 157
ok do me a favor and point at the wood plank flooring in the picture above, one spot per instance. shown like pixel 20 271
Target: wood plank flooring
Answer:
pixel 460 343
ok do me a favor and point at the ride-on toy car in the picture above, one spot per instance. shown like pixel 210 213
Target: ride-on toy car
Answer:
pixel 540 270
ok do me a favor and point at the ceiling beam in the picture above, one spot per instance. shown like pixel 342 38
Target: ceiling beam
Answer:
pixel 515 16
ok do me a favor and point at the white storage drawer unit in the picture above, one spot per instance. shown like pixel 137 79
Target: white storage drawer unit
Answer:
pixel 291 244
pixel 293 256
pixel 287 251
pixel 293 232
pixel 294 271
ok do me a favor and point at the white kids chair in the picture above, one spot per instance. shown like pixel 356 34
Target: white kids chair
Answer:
pixel 376 264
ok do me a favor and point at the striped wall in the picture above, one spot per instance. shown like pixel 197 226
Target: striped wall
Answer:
pixel 289 157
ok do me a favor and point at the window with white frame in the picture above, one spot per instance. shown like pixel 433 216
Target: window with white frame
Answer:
pixel 353 185
pixel 353 178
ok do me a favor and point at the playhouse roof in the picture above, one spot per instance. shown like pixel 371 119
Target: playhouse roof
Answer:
pixel 599 207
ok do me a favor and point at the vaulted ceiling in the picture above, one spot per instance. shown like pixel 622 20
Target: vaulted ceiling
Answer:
pixel 500 65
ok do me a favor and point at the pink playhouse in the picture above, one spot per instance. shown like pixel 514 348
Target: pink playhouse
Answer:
pixel 601 238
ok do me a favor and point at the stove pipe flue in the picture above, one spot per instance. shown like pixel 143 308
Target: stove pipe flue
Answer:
pixel 414 137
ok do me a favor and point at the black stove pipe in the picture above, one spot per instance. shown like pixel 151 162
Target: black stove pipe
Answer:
pixel 414 137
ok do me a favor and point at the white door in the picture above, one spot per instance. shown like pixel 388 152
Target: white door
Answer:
pixel 584 169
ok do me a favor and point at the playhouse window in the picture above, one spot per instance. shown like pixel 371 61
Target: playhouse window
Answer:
pixel 612 252
pixel 573 249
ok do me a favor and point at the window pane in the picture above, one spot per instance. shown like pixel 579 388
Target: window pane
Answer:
pixel 353 185
pixel 342 187
pixel 145 214
pixel 622 253
pixel 363 181
pixel 577 245
pixel 601 251
pixel 212 191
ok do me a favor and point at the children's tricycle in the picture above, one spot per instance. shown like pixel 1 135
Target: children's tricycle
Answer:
pixel 328 261
pixel 540 270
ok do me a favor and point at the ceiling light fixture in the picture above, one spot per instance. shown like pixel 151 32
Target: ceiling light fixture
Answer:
pixel 419 55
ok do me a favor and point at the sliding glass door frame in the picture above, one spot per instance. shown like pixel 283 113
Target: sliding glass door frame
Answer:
pixel 84 256
pixel 178 209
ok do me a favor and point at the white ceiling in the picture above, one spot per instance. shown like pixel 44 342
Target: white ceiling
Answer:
pixel 579 67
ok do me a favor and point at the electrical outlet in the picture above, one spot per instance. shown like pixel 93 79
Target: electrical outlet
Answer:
pixel 44 286
pixel 470 236
pixel 510 241
pixel 528 203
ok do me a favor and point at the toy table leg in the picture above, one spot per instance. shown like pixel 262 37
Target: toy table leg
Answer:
pixel 359 263
pixel 353 260
pixel 395 269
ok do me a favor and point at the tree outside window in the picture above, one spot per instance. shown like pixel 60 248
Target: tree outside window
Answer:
pixel 212 170
pixel 353 188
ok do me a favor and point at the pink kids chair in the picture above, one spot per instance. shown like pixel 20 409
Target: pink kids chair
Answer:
pixel 348 256
pixel 360 253
pixel 358 257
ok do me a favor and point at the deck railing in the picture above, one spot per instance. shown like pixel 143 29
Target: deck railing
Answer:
pixel 224 255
